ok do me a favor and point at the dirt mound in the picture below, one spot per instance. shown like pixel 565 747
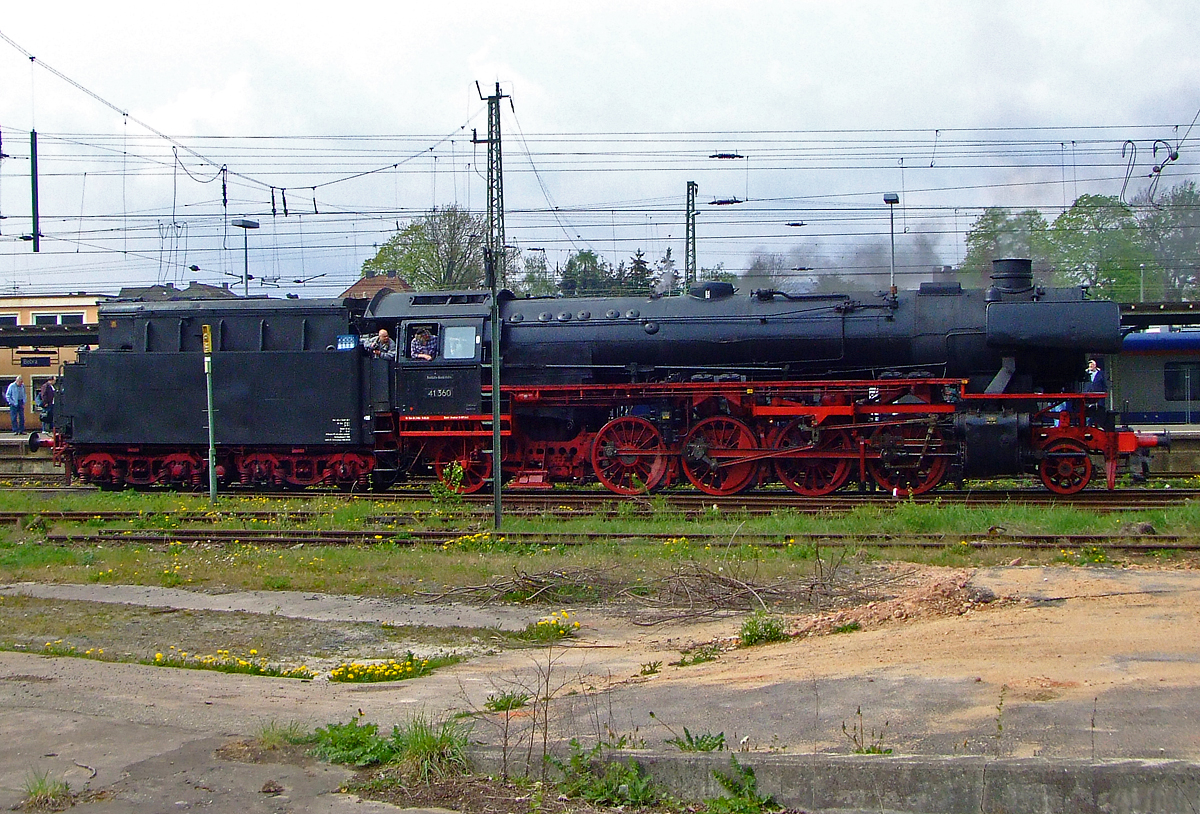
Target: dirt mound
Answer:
pixel 921 595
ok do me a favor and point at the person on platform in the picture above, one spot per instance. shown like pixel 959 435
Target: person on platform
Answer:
pixel 15 396
pixel 46 395
pixel 1094 381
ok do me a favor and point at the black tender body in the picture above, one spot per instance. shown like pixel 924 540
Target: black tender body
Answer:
pixel 277 376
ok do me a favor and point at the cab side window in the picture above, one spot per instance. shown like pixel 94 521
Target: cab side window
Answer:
pixel 459 342
pixel 423 342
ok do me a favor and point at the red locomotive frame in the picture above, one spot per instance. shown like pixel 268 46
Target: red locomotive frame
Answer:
pixel 813 436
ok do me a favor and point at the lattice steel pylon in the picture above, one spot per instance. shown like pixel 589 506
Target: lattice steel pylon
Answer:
pixel 495 182
pixel 496 268
pixel 689 237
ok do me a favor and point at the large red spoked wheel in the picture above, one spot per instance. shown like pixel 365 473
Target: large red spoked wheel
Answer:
pixel 712 453
pixel 809 473
pixel 628 456
pixel 474 465
pixel 1066 467
pixel 911 460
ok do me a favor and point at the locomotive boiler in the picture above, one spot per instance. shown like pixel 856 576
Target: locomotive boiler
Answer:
pixel 720 389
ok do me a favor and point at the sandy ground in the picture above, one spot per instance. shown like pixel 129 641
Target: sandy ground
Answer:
pixel 1020 661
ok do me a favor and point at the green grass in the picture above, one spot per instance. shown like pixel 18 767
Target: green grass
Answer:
pixel 762 628
pixel 698 655
pixel 422 748
pixel 275 735
pixel 429 749
pixel 44 793
pixel 467 556
pixel 506 701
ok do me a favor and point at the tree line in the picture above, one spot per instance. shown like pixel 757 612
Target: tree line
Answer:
pixel 1146 249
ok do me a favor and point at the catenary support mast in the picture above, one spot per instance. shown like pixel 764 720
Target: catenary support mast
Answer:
pixel 496 266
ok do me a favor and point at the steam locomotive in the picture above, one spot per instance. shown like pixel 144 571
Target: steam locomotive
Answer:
pixel 900 391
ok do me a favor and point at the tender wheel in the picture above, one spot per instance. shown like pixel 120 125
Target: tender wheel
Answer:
pixel 471 457
pixel 911 461
pixel 1066 467
pixel 711 454
pixel 811 474
pixel 628 456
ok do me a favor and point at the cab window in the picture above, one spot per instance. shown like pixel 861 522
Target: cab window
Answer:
pixel 458 342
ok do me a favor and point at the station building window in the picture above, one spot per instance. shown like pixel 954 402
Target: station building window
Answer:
pixel 58 319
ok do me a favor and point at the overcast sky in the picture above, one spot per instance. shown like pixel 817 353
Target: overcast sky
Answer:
pixel 614 107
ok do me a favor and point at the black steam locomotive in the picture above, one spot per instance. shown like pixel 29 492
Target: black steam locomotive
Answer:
pixel 902 390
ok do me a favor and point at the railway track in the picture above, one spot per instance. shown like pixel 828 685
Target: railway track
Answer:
pixel 294 537
pixel 567 503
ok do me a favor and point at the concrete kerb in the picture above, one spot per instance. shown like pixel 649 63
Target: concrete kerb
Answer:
pixel 879 784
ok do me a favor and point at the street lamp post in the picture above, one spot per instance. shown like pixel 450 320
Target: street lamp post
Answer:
pixel 891 199
pixel 1142 285
pixel 246 226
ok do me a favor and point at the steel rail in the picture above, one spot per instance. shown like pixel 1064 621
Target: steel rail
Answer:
pixel 1129 542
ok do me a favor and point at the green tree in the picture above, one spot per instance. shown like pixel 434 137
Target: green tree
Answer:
pixel 441 250
pixel 586 274
pixel 1170 230
pixel 1096 243
pixel 537 280
pixel 638 275
pixel 998 233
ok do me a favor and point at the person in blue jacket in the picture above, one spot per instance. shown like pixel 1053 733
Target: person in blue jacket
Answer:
pixel 1094 381
pixel 15 396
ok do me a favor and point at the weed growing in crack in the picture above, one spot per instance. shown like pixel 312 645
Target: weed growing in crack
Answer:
pixel 44 793
pixel 702 742
pixel 698 655
pixel 864 744
pixel 742 787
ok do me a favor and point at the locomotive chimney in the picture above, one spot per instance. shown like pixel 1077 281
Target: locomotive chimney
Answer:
pixel 1012 275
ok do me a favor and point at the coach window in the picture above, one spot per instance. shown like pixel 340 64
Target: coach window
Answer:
pixel 459 342
pixel 8 320
pixel 1181 381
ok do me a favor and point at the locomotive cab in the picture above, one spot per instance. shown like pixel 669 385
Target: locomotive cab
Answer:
pixel 450 382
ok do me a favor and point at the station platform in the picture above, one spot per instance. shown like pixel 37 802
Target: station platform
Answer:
pixel 1183 456
pixel 18 455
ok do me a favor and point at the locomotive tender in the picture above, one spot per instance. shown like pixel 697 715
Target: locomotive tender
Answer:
pixel 902 390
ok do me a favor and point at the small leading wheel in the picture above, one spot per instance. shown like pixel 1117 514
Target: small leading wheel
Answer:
pixel 809 473
pixel 474 465
pixel 628 456
pixel 714 453
pixel 1066 467
pixel 911 460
